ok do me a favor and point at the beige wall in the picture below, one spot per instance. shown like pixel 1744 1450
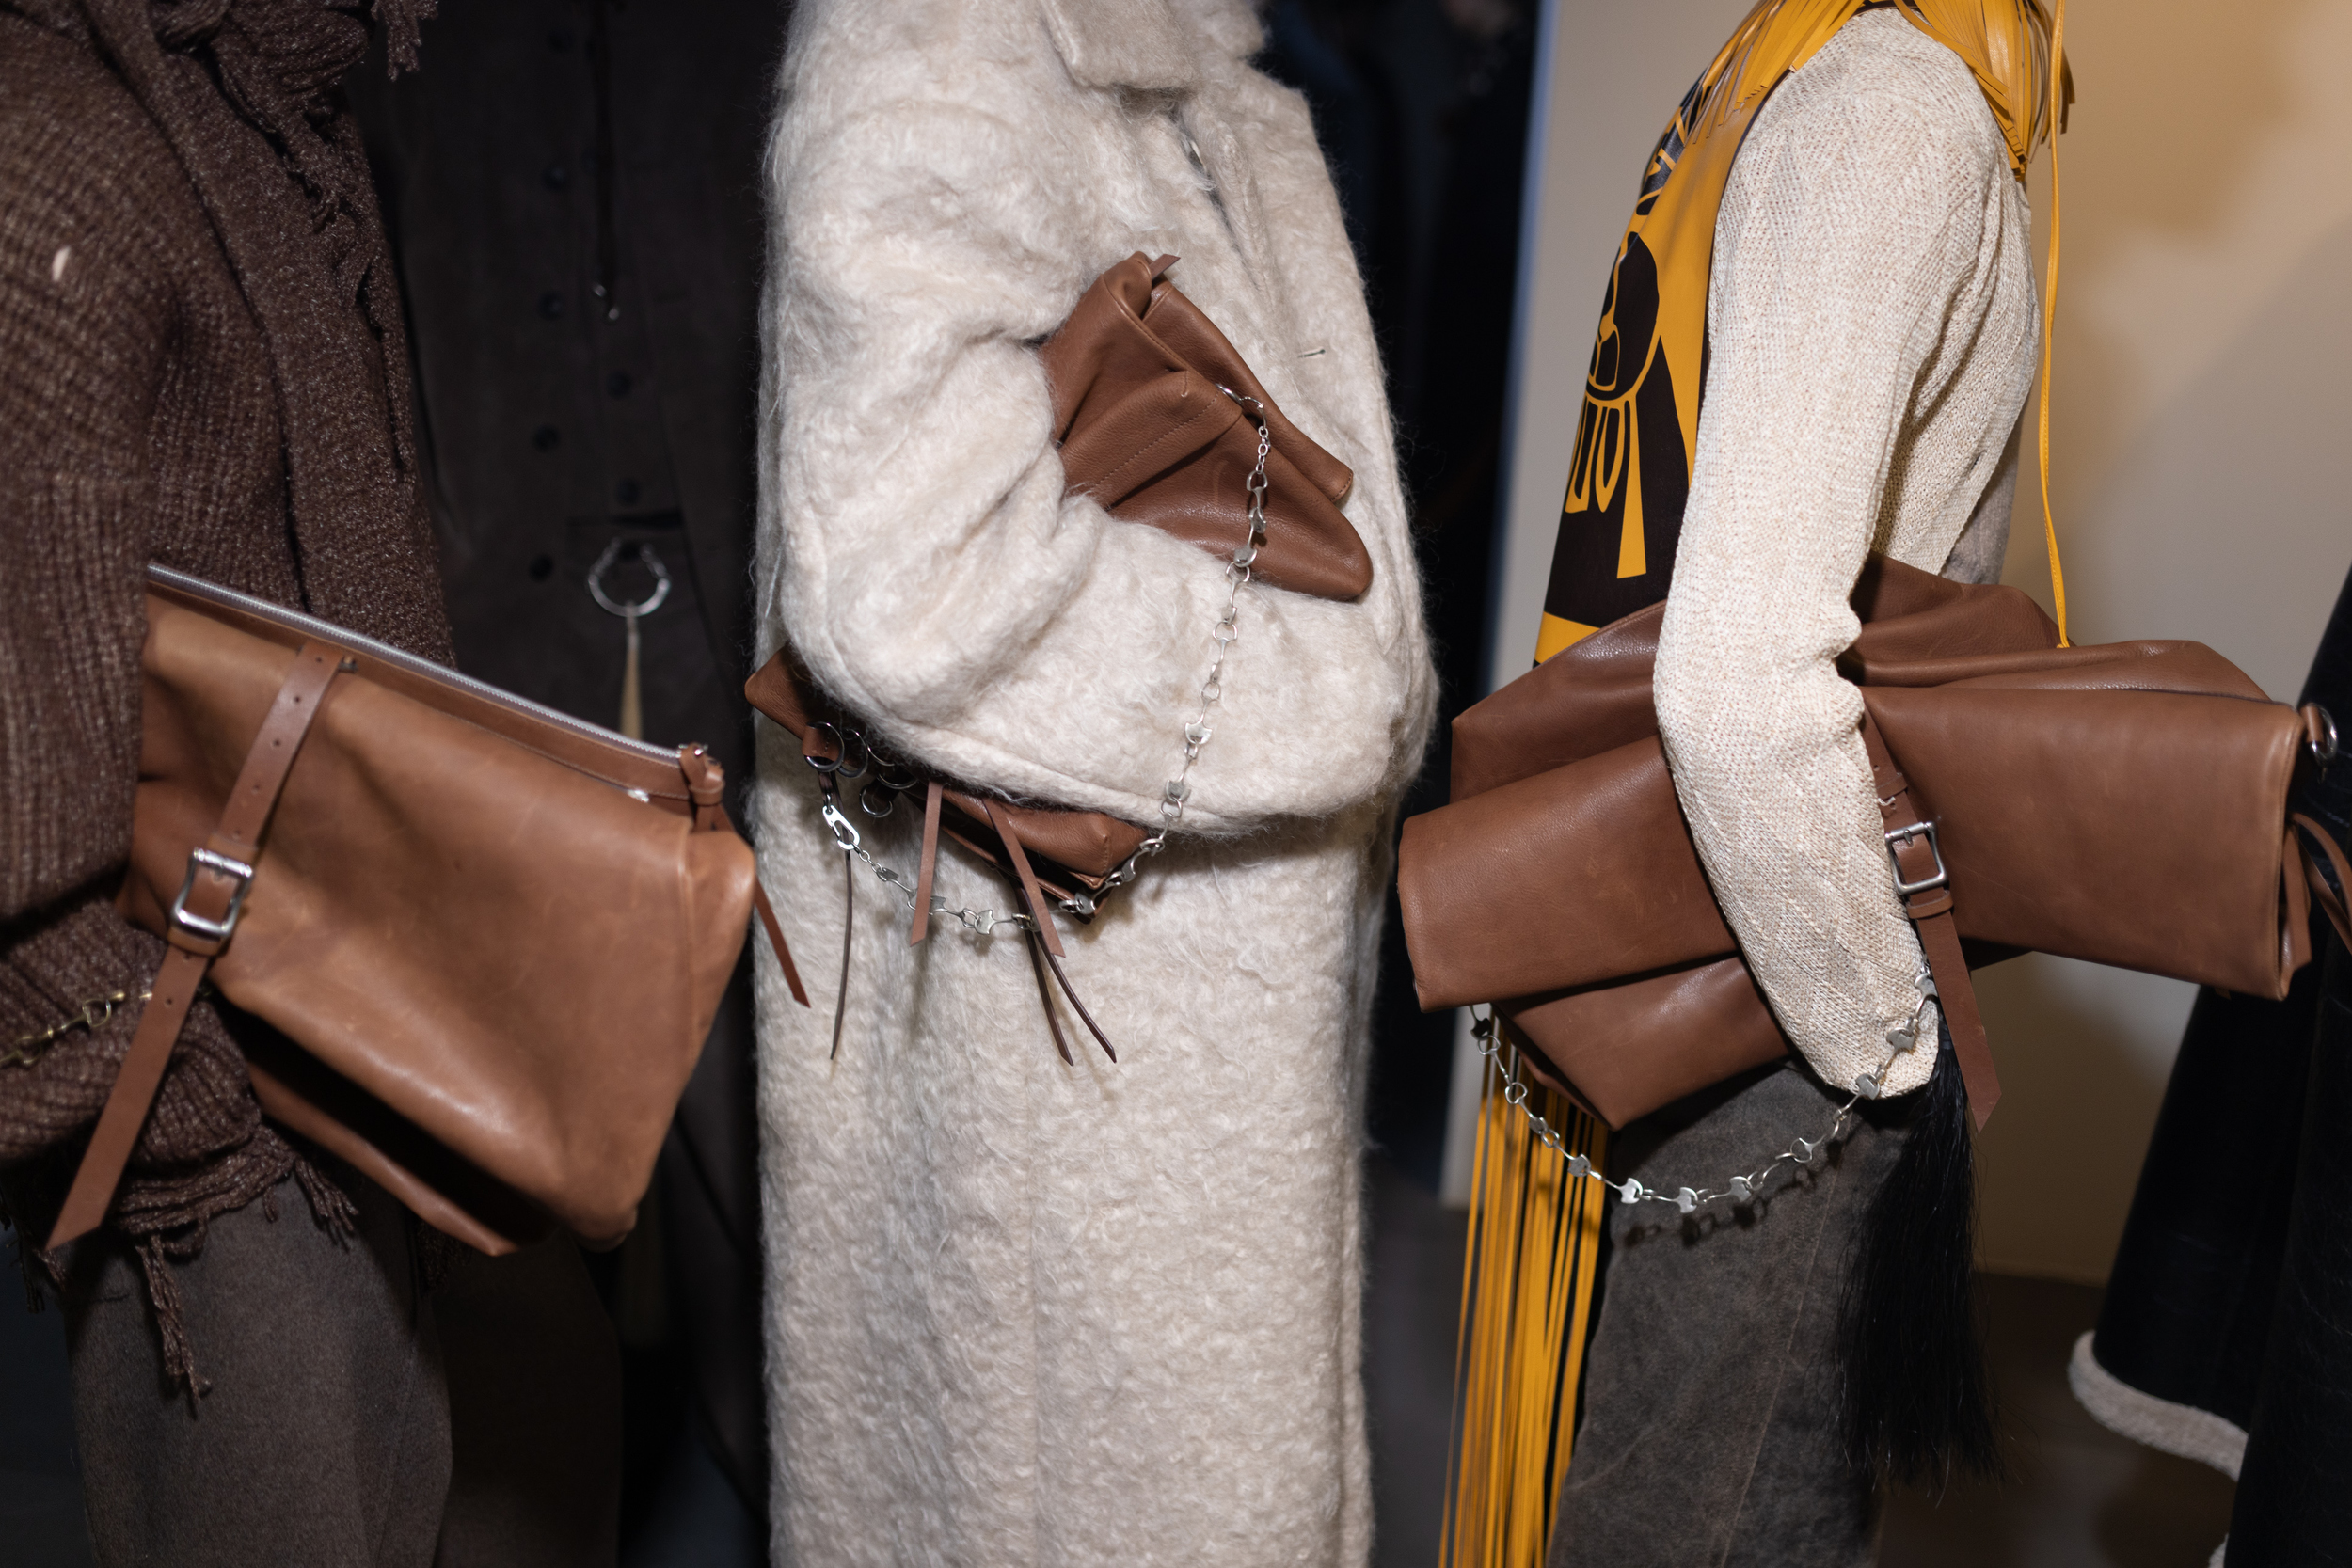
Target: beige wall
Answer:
pixel 2200 459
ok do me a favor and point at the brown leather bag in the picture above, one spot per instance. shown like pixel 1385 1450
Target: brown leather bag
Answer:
pixel 484 940
pixel 2123 804
pixel 1158 416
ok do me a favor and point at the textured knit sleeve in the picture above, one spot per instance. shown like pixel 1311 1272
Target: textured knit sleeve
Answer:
pixel 923 556
pixel 1847 287
pixel 87 326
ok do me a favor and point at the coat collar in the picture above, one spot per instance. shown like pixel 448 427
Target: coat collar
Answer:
pixel 1140 44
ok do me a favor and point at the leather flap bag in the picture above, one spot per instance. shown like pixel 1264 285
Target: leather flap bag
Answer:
pixel 1157 416
pixel 2123 804
pixel 480 943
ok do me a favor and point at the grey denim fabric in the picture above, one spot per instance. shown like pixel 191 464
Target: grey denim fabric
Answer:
pixel 1709 1430
pixel 325 1440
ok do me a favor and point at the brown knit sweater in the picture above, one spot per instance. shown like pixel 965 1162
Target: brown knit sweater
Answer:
pixel 200 363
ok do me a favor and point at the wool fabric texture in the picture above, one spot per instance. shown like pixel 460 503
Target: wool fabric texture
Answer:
pixel 205 367
pixel 1872 294
pixel 1019 1311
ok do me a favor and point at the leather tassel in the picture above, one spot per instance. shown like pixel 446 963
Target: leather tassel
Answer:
pixel 929 862
pixel 1084 1017
pixel 1045 998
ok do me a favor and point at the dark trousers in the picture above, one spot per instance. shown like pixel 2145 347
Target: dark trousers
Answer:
pixel 353 1420
pixel 1710 1436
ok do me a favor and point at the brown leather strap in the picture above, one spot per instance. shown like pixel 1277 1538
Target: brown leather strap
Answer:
pixel 932 795
pixel 203 918
pixel 706 785
pixel 1031 897
pixel 2327 898
pixel 775 940
pixel 1085 1017
pixel 1045 998
pixel 1926 890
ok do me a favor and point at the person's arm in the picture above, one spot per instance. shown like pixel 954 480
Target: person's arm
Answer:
pixel 1847 266
pixel 924 556
pixel 86 324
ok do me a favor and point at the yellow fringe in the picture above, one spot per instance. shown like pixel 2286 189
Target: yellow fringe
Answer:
pixel 1527 1293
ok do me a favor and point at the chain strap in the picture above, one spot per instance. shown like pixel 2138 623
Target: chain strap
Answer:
pixel 95 1012
pixel 1196 731
pixel 1495 1045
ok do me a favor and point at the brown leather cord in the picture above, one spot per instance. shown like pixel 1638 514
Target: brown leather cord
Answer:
pixel 2328 898
pixel 1045 942
pixel 1919 861
pixel 933 794
pixel 1084 1017
pixel 214 897
pixel 1045 998
pixel 705 786
pixel 1031 899
pixel 775 940
pixel 848 929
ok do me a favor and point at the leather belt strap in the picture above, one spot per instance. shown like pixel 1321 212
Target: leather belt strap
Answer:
pixel 203 918
pixel 1926 890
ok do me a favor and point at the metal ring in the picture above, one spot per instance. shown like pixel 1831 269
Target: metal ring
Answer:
pixel 2325 752
pixel 645 606
pixel 864 752
pixel 864 804
pixel 832 763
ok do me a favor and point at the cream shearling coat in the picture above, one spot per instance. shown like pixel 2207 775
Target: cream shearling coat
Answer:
pixel 1021 1312
pixel 1870 312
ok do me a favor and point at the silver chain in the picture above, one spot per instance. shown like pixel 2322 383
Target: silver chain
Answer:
pixel 1742 1189
pixel 846 835
pixel 1196 731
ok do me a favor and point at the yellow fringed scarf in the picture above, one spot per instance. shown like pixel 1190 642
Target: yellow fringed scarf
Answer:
pixel 1534 1237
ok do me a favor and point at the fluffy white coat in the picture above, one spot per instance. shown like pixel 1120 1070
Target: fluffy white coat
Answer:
pixel 1021 1312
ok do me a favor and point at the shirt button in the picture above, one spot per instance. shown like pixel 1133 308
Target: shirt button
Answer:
pixel 557 177
pixel 617 384
pixel 627 491
pixel 542 567
pixel 546 438
pixel 560 41
pixel 552 304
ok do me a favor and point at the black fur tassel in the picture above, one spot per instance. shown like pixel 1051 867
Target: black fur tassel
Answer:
pixel 1911 1346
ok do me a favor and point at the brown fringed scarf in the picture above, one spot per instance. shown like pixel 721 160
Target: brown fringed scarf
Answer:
pixel 243 91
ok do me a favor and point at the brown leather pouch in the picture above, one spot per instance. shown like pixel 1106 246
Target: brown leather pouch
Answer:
pixel 2123 804
pixel 488 939
pixel 1150 412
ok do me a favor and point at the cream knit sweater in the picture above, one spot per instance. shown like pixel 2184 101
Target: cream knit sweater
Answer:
pixel 1871 321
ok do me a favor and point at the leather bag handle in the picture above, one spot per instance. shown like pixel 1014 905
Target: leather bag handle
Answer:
pixel 2327 898
pixel 1926 890
pixel 202 919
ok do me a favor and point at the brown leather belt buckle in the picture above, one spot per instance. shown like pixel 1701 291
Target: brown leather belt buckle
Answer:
pixel 203 934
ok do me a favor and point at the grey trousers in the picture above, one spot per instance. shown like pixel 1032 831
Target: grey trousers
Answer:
pixel 351 1422
pixel 1711 1399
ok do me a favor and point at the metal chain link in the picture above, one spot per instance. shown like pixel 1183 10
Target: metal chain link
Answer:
pixel 1743 1188
pixel 95 1012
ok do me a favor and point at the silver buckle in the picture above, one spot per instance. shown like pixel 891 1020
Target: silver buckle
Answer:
pixel 219 864
pixel 1941 878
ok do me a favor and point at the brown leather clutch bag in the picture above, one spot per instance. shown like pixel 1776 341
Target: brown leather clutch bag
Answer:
pixel 2123 804
pixel 1157 417
pixel 480 943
